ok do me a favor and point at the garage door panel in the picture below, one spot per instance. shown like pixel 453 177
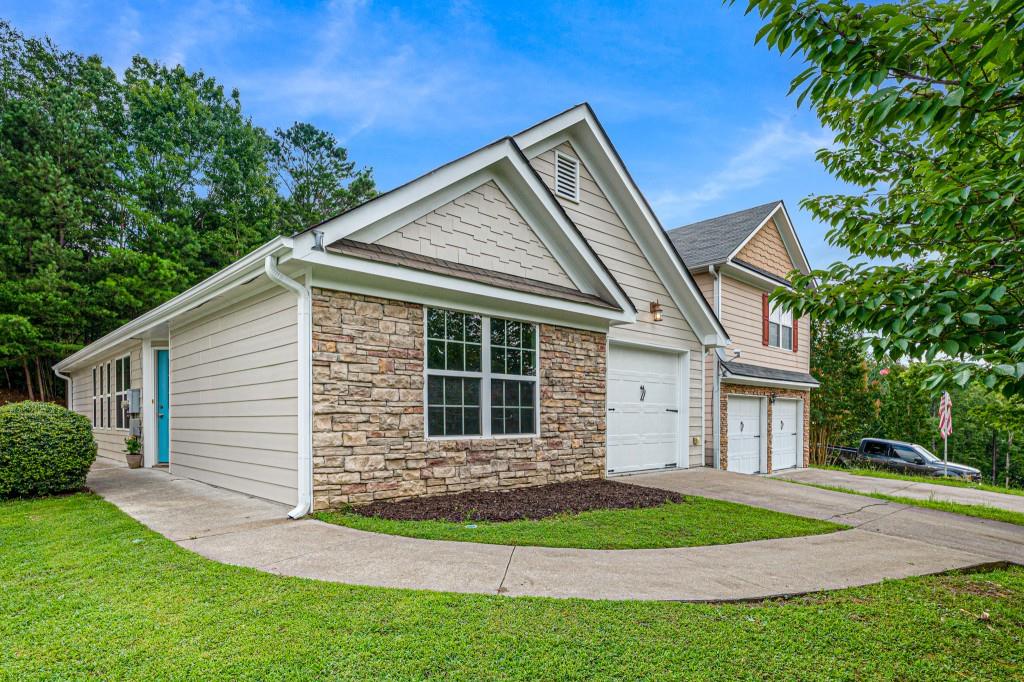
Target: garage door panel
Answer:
pixel 744 422
pixel 643 404
pixel 785 433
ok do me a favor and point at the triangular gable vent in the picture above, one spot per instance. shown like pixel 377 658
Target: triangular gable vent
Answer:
pixel 567 176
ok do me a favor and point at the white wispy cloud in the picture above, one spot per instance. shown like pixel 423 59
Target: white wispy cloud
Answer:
pixel 770 149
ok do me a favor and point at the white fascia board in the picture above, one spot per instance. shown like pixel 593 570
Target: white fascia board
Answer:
pixel 384 280
pixel 769 383
pixel 582 130
pixel 504 164
pixel 751 277
pixel 236 273
pixel 789 238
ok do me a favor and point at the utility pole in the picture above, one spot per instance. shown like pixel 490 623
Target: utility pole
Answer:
pixel 995 454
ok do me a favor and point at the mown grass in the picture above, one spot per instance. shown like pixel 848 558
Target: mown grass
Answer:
pixel 697 521
pixel 977 510
pixel 952 482
pixel 90 593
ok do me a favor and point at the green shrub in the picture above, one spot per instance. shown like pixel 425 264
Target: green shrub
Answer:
pixel 44 449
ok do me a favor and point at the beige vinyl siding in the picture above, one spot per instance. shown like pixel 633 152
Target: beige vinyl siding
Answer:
pixel 741 315
pixel 483 229
pixel 602 226
pixel 109 441
pixel 706 284
pixel 234 396
pixel 767 251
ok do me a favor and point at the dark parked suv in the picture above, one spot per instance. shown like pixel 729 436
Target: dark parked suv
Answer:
pixel 905 458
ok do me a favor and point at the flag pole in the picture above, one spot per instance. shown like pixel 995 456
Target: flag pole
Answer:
pixel 945 457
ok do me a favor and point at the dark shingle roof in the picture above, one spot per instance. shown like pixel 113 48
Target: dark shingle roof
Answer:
pixel 408 259
pixel 711 241
pixel 740 369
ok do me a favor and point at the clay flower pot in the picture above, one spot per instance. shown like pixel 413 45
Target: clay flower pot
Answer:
pixel 134 460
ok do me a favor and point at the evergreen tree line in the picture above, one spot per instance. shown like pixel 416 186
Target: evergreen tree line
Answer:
pixel 119 191
pixel 860 397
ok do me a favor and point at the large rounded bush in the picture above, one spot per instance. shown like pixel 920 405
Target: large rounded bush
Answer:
pixel 44 449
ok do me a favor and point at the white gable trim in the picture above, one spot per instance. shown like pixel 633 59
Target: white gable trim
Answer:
pixel 789 238
pixel 580 128
pixel 503 163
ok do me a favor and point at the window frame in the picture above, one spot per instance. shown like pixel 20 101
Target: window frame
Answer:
pixel 484 375
pixel 778 317
pixel 120 364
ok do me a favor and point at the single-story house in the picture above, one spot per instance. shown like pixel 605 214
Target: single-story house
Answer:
pixel 515 317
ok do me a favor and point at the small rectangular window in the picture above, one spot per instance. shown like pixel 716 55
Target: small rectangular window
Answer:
pixel 780 328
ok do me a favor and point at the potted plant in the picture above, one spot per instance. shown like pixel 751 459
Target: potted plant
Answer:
pixel 133 452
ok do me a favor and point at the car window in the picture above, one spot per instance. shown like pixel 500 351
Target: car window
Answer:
pixel 876 449
pixel 906 453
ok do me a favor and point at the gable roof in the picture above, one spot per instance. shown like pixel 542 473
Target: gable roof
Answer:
pixel 580 126
pixel 712 241
pixel 503 162
pixel 716 241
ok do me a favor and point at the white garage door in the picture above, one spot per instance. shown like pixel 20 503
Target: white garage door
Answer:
pixel 643 409
pixel 744 453
pixel 784 433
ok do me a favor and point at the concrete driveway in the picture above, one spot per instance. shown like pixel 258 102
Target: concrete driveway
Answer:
pixel 999 541
pixel 233 528
pixel 912 489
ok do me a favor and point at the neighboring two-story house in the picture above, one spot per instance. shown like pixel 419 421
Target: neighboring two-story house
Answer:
pixel 757 389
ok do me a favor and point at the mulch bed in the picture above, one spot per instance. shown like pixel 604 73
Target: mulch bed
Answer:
pixel 536 502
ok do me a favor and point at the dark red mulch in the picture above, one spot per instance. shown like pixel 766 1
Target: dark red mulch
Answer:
pixel 536 502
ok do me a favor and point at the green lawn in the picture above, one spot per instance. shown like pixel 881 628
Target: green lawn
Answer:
pixel 977 510
pixel 697 521
pixel 953 482
pixel 90 593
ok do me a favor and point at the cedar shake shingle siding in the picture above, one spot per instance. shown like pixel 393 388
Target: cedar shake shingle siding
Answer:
pixel 766 251
pixel 483 229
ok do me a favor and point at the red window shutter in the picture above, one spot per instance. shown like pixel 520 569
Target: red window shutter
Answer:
pixel 796 334
pixel 764 319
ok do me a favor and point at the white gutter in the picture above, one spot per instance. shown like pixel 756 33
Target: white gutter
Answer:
pixel 305 341
pixel 67 380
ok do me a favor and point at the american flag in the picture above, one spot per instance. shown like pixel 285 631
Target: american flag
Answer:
pixel 945 415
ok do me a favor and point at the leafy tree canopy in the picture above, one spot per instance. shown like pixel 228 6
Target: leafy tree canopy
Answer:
pixel 116 193
pixel 926 100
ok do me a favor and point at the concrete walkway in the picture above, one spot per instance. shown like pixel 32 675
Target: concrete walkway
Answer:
pixel 912 489
pixel 235 529
pixel 1001 541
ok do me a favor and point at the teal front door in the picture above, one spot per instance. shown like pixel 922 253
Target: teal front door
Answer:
pixel 163 408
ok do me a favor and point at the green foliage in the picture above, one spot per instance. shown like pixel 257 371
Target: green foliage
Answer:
pixel 843 404
pixel 309 164
pixel 926 100
pixel 44 449
pixel 117 194
pixel 94 594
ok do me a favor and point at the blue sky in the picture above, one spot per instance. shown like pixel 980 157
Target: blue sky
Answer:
pixel 697 111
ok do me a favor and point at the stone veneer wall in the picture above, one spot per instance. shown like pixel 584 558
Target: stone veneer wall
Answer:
pixel 368 426
pixel 723 429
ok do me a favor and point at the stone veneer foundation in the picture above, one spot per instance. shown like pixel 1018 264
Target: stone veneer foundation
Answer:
pixel 368 428
pixel 764 391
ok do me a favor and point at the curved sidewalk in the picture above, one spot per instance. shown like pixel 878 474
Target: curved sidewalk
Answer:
pixel 236 529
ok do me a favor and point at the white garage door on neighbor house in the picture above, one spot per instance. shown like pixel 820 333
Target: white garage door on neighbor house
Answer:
pixel 744 453
pixel 785 433
pixel 643 408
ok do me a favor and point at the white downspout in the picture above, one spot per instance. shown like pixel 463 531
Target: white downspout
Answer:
pixel 716 380
pixel 305 341
pixel 70 387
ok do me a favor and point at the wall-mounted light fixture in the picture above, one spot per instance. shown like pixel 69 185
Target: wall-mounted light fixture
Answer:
pixel 656 311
